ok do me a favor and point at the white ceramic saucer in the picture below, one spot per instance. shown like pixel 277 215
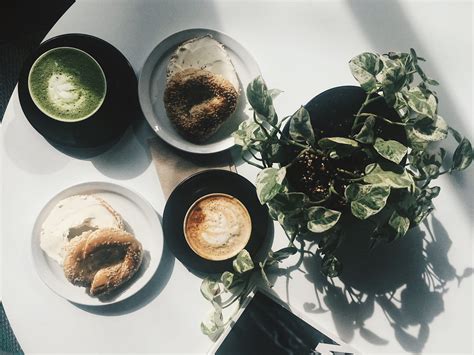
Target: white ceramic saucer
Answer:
pixel 152 82
pixel 140 219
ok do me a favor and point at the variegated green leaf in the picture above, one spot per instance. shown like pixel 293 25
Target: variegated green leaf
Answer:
pixel 431 130
pixel 210 288
pixel 331 142
pixel 422 105
pixel 393 77
pixel 300 126
pixel 364 68
pixel 390 149
pixel 366 134
pixel 243 262
pixel 246 133
pixel 269 183
pixel 227 278
pixel 214 324
pixel 377 176
pixel 366 200
pixel 399 223
pixel 258 96
pixel 462 157
pixel 321 219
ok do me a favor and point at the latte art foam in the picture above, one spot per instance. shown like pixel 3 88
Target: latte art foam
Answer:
pixel 221 224
pixel 67 84
pixel 217 227
pixel 64 93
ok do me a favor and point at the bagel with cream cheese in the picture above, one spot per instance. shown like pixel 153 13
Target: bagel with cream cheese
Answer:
pixel 102 259
pixel 198 102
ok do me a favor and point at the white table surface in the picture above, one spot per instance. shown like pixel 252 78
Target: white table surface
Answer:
pixel 303 48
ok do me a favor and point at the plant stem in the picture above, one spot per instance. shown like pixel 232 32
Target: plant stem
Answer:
pixel 285 139
pixel 367 101
pixel 429 179
pixel 282 138
pixel 296 158
pixel 449 171
pixel 300 145
pixel 251 162
pixel 425 185
pixel 254 156
pixel 260 125
pixel 283 120
pixel 321 201
pixel 290 239
pixel 253 140
pixel 239 295
pixel 384 119
pixel 333 190
pixel 277 129
pixel 304 251
pixel 349 173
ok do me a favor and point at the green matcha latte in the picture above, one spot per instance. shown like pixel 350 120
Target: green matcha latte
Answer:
pixel 67 84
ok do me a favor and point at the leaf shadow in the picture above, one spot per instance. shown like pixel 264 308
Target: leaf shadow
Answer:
pixel 407 279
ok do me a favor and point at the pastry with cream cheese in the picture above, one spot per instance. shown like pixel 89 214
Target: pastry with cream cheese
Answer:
pixel 202 88
pixel 203 53
pixel 102 260
pixel 71 217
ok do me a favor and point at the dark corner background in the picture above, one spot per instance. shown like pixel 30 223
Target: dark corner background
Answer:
pixel 23 24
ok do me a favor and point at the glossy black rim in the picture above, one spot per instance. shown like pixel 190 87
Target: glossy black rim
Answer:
pixel 333 110
pixel 201 184
pixel 119 109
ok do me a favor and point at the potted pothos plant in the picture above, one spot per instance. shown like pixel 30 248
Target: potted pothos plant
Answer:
pixel 353 155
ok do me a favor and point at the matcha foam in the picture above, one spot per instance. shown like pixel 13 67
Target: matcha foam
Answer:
pixel 67 84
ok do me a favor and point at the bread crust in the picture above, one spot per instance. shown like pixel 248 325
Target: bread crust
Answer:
pixel 102 260
pixel 198 102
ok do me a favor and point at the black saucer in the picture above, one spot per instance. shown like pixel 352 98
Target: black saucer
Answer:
pixel 120 106
pixel 204 183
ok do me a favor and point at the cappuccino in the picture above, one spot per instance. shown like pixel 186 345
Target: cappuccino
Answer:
pixel 217 226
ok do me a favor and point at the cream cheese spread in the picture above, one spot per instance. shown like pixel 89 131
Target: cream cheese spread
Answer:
pixel 203 53
pixel 71 217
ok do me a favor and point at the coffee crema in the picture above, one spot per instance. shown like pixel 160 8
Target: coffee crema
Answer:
pixel 67 84
pixel 217 226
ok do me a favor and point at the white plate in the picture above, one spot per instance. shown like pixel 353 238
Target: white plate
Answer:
pixel 152 83
pixel 140 219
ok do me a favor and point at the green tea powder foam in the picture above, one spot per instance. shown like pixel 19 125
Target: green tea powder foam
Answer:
pixel 67 84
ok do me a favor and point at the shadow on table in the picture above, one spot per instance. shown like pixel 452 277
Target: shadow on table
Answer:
pixel 407 279
pixel 122 159
pixel 131 155
pixel 127 157
pixel 20 150
pixel 147 294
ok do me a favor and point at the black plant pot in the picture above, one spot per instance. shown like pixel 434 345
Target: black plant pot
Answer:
pixel 332 114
